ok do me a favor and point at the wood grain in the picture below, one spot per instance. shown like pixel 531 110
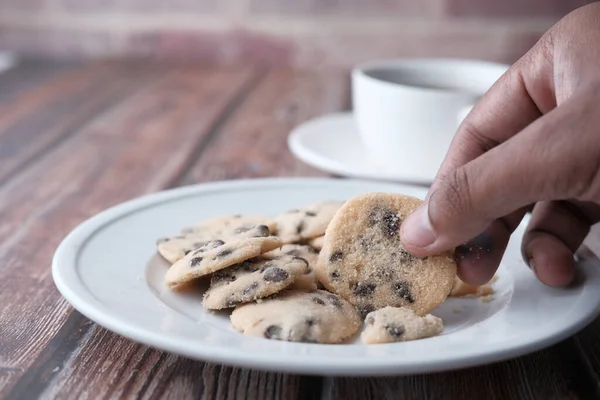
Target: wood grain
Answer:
pixel 85 138
pixel 41 118
pixel 139 146
pixel 27 75
pixel 536 377
pixel 253 143
pixel 167 376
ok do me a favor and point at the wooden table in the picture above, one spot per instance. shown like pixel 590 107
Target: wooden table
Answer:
pixel 76 139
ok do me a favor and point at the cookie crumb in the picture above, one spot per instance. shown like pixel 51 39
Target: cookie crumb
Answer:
pixel 486 299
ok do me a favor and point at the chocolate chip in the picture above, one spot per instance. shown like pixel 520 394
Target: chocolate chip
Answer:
pixel 395 330
pixel 334 301
pixel 250 290
pixel 311 214
pixel 318 301
pixel 224 253
pixel 307 339
pixel 249 265
pixel 195 261
pixel 301 259
pixel 293 252
pixel 334 275
pixel 221 276
pixel 186 252
pixel 275 274
pixel 273 332
pixel 336 256
pixel 392 223
pixel 365 309
pixel 300 227
pixel 307 271
pixel 267 265
pixel 406 256
pixel 402 289
pixel 370 320
pixel 310 321
pixel 364 289
pixel 205 246
pixel 262 231
pixel 230 302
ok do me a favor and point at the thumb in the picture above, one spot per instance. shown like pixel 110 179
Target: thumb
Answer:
pixel 545 161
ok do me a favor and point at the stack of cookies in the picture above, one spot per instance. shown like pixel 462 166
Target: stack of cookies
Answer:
pixel 312 274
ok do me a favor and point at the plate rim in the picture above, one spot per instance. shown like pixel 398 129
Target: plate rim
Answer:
pixel 73 242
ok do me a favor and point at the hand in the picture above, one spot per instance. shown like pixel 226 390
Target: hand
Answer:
pixel 531 143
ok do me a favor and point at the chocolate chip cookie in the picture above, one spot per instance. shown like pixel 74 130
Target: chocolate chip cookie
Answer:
pixel 313 317
pixel 306 280
pixel 217 226
pixel 252 280
pixel 216 255
pixel 392 324
pixel 364 261
pixel 308 222
pixel 175 248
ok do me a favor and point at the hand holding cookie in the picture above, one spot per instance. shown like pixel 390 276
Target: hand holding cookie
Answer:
pixel 530 143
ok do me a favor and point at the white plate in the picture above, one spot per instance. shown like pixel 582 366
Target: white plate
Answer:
pixel 332 143
pixel 107 269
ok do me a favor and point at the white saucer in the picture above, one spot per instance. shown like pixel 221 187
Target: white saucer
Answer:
pixel 107 269
pixel 7 61
pixel 332 143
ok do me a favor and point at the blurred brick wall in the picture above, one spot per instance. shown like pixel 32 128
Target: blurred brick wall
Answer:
pixel 313 33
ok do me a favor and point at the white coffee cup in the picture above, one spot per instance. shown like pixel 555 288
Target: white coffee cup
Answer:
pixel 407 111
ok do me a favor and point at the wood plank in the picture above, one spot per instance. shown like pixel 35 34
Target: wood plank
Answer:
pixel 139 146
pixel 253 144
pixel 536 377
pixel 27 75
pixel 134 370
pixel 166 376
pixel 51 113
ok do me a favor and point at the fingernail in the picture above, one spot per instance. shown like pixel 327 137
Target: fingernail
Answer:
pixel 417 229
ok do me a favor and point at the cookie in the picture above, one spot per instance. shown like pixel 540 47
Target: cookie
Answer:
pixel 363 260
pixel 251 280
pixel 175 248
pixel 216 255
pixel 306 223
pixel 392 324
pixel 306 280
pixel 219 225
pixel 313 317
pixel 462 289
pixel 317 243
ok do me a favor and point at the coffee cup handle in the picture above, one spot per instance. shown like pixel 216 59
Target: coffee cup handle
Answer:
pixel 462 114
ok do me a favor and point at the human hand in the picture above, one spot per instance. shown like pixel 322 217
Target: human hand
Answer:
pixel 531 143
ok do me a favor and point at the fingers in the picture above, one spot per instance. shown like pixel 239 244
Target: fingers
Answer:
pixel 479 259
pixel 555 232
pixel 511 104
pixel 554 157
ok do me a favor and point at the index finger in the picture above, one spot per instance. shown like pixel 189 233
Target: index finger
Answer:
pixel 506 109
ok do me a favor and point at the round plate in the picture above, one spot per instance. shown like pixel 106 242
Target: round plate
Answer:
pixel 108 270
pixel 332 143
